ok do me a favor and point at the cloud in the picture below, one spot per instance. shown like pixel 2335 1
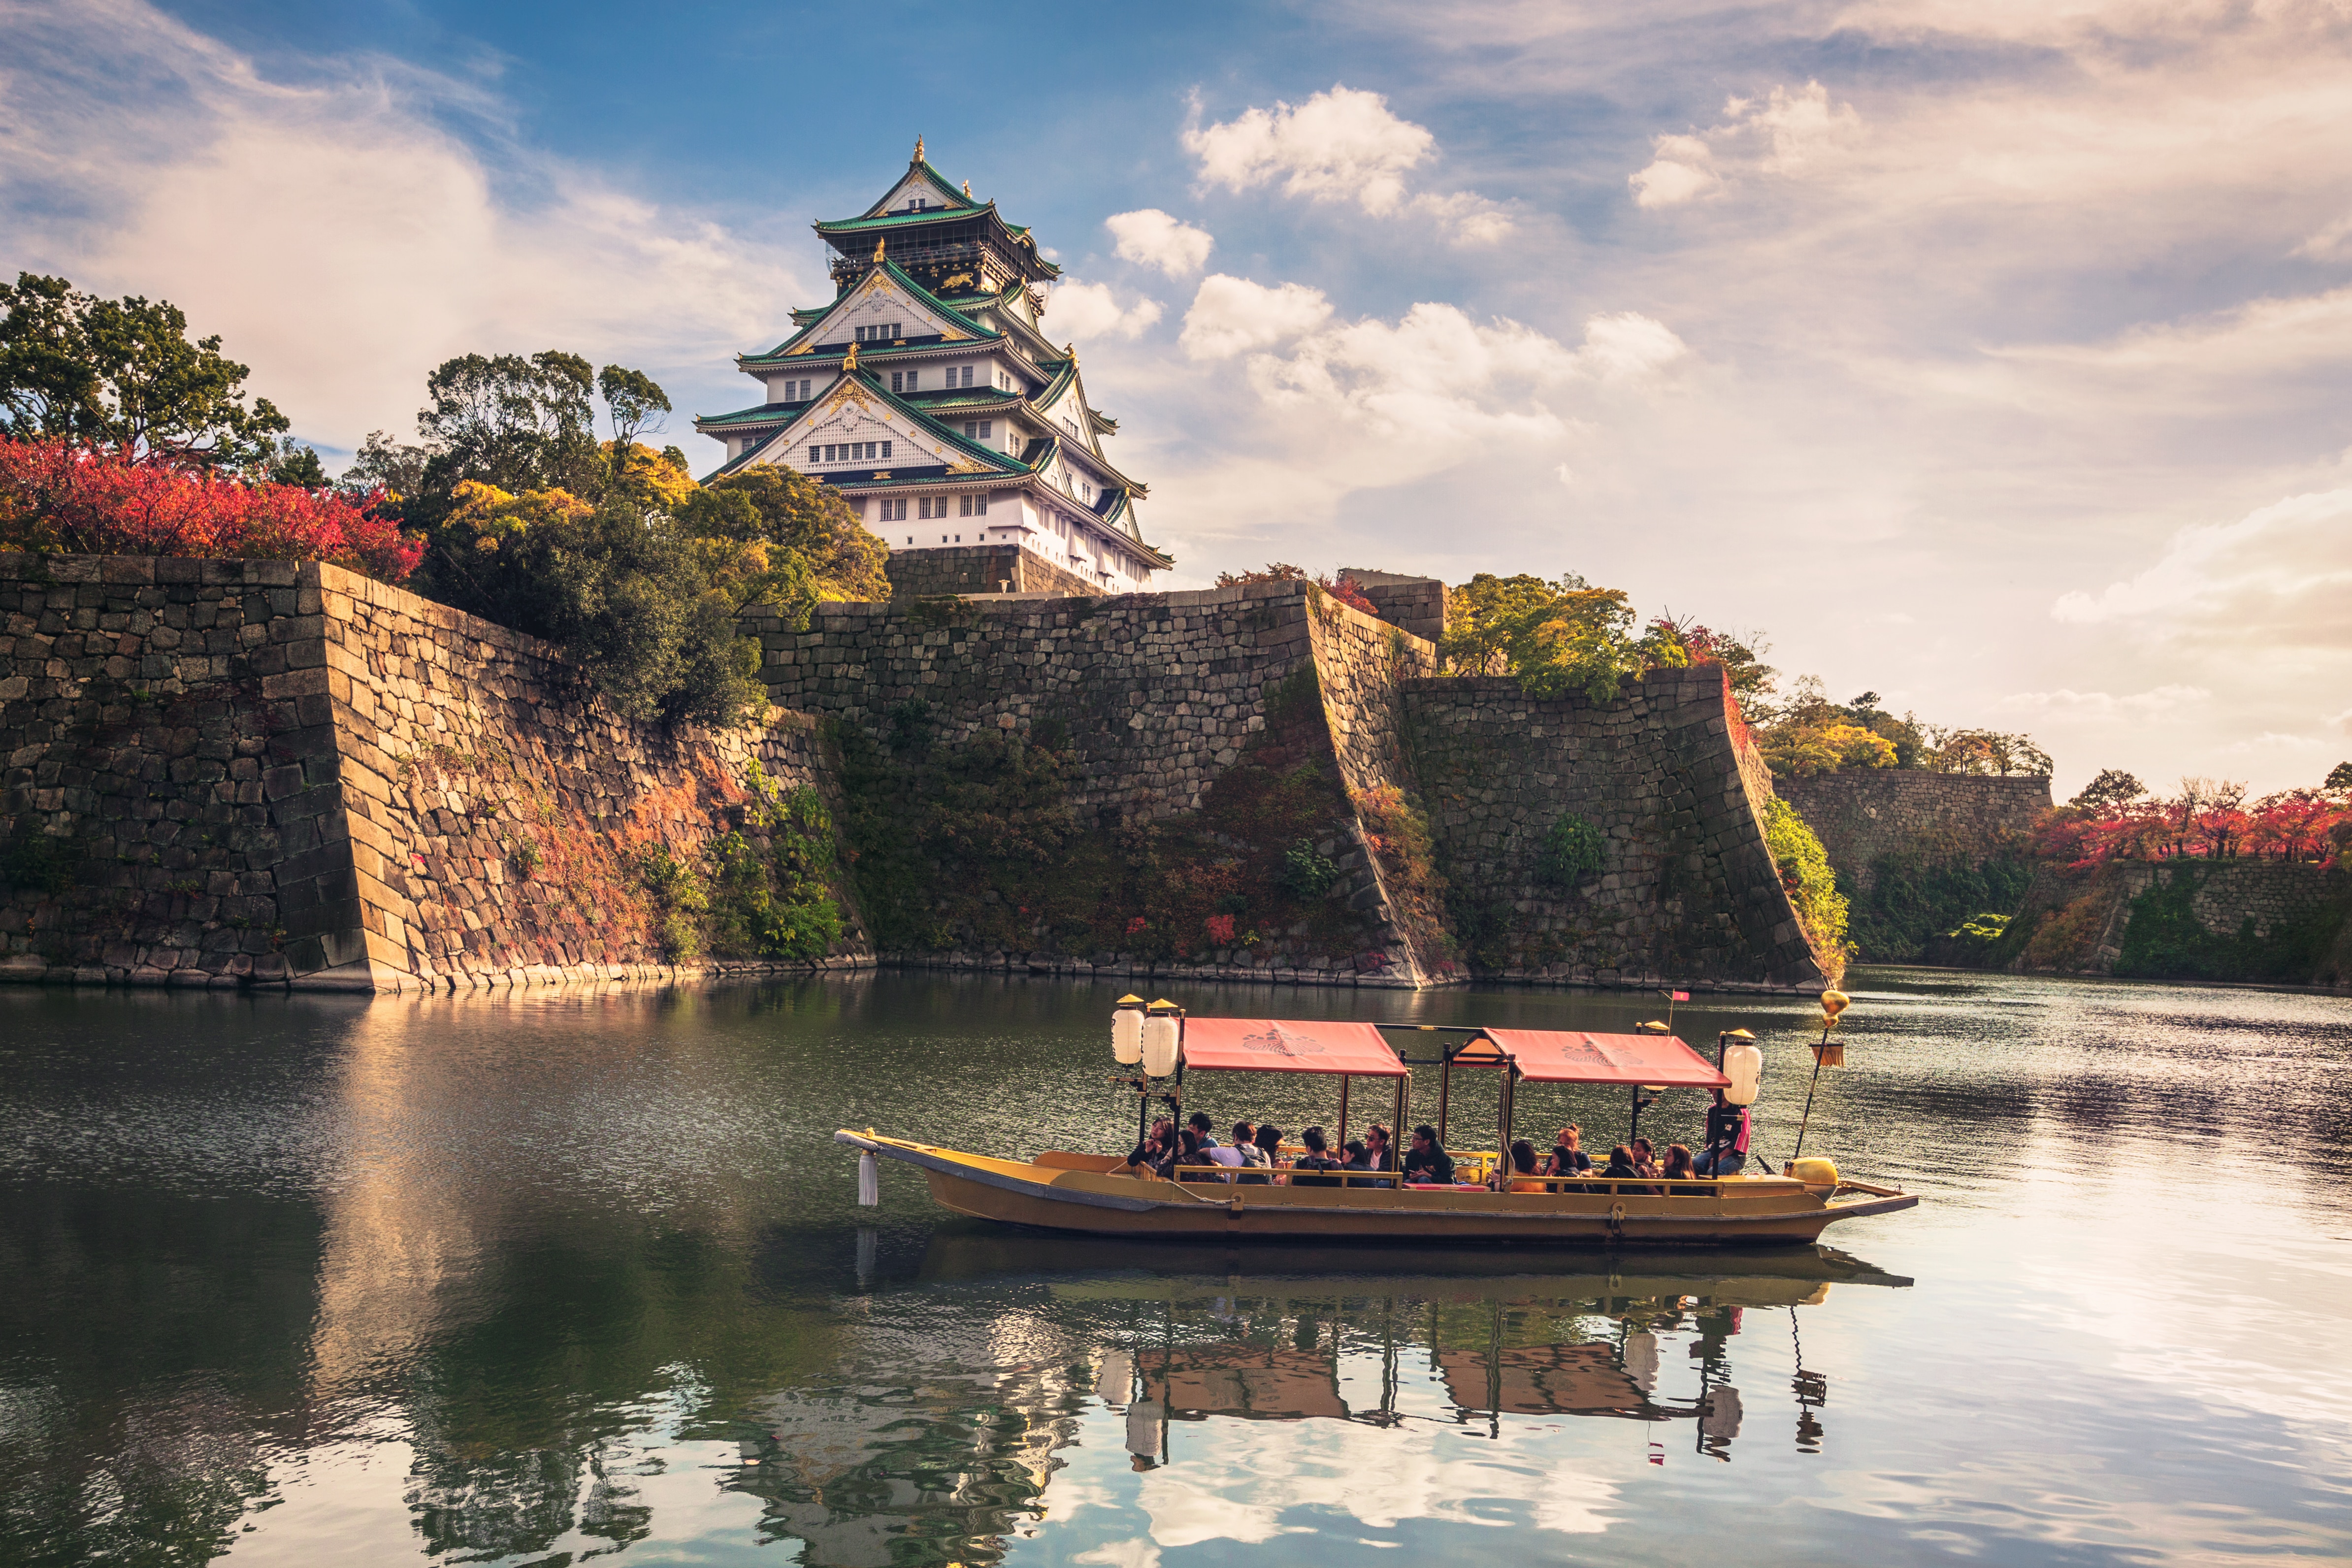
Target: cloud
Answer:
pixel 2065 701
pixel 1079 311
pixel 1152 238
pixel 337 236
pixel 1234 315
pixel 2285 570
pixel 1343 145
pixel 1778 135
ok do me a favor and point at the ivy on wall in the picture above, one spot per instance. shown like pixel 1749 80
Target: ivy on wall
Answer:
pixel 1805 872
pixel 2164 939
pixel 1916 900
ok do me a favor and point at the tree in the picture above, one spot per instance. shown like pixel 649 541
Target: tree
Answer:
pixel 1480 614
pixel 836 558
pixel 511 423
pixel 2339 779
pixel 2111 788
pixel 122 374
pixel 294 463
pixel 1752 681
pixel 1985 752
pixel 1339 586
pixel 632 402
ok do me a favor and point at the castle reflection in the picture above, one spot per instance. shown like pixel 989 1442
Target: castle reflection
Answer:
pixel 957 1403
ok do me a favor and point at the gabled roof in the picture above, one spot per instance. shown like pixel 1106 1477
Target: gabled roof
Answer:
pixel 801 344
pixel 918 164
pixel 989 460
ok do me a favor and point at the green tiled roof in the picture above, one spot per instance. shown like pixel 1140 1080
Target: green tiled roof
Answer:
pixel 897 275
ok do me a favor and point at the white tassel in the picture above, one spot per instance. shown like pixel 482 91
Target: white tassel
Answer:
pixel 870 1181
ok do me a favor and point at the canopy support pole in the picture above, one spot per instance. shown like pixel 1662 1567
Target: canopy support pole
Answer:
pixel 1342 1140
pixel 1445 1092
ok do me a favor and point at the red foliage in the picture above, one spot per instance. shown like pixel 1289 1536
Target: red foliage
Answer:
pixel 1220 929
pixel 1346 593
pixel 57 497
pixel 2293 824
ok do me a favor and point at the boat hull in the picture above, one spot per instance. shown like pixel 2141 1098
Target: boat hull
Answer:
pixel 1100 1202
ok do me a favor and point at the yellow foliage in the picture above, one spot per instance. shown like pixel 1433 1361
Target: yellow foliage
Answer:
pixel 1803 750
pixel 656 478
pixel 493 516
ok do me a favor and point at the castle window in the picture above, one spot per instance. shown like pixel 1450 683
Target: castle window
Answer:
pixel 967 376
pixel 895 510
pixel 886 451
pixel 980 429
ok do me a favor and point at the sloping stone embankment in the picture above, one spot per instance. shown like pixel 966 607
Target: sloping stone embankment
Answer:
pixel 236 772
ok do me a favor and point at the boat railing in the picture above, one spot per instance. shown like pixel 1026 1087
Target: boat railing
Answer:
pixel 1621 1186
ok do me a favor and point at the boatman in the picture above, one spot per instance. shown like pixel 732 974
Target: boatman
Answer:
pixel 1727 1139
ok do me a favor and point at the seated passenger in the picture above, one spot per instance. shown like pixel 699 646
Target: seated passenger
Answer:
pixel 1149 1153
pixel 1199 1123
pixel 1426 1162
pixel 1253 1158
pixel 1520 1176
pixel 1269 1143
pixel 1229 1155
pixel 1379 1155
pixel 1726 1153
pixel 1678 1163
pixel 1317 1158
pixel 1571 1141
pixel 1645 1157
pixel 1620 1163
pixel 1189 1152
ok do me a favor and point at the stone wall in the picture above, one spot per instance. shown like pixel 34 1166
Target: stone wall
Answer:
pixel 978 569
pixel 1685 888
pixel 1862 814
pixel 1416 604
pixel 2086 922
pixel 224 772
pixel 1158 695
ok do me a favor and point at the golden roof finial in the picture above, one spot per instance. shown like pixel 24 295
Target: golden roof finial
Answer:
pixel 966 190
pixel 919 149
pixel 849 361
pixel 879 241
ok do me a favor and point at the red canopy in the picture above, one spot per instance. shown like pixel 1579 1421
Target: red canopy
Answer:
pixel 1554 1056
pixel 1278 1045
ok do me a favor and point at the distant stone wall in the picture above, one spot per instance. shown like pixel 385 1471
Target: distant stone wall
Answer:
pixel 224 772
pixel 979 569
pixel 1861 814
pixel 1416 604
pixel 2083 923
pixel 1685 887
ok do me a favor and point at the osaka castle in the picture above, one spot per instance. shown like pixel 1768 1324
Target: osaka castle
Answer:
pixel 926 393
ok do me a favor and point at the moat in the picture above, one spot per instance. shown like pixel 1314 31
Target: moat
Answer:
pixel 547 1276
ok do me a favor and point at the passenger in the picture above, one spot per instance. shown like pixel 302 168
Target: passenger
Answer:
pixel 1379 1155
pixel 1571 1139
pixel 1620 1163
pixel 1358 1158
pixel 1253 1158
pixel 1149 1154
pixel 1678 1163
pixel 1727 1139
pixel 1645 1157
pixel 1269 1143
pixel 1234 1155
pixel 1317 1158
pixel 1426 1162
pixel 1199 1123
pixel 1189 1153
pixel 1523 1177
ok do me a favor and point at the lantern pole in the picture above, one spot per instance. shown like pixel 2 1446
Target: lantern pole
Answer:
pixel 1833 1002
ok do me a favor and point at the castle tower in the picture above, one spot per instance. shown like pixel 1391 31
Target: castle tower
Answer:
pixel 926 393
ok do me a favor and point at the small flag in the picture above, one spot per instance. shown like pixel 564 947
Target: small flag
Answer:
pixel 1677 995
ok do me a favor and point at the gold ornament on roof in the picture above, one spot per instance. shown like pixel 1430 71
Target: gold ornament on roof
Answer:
pixel 919 149
pixel 849 361
pixel 966 190
pixel 879 241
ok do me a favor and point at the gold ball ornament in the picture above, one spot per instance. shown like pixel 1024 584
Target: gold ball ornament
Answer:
pixel 1834 1002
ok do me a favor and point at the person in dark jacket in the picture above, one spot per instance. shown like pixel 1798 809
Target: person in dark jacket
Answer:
pixel 1726 1153
pixel 1426 1162
pixel 1317 1158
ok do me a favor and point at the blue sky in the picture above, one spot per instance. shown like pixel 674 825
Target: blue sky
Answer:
pixel 1992 356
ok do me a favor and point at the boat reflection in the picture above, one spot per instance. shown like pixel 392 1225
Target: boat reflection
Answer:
pixel 940 1437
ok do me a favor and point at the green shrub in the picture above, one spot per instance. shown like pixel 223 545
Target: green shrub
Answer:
pixel 772 897
pixel 1914 899
pixel 1307 872
pixel 1805 872
pixel 1571 851
pixel 44 862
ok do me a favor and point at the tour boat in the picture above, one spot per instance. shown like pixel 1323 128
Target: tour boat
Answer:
pixel 1102 1194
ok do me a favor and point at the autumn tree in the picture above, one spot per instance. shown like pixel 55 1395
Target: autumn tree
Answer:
pixel 123 374
pixel 2111 788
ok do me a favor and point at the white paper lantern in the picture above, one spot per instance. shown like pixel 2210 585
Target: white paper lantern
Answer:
pixel 1744 1066
pixel 1160 1042
pixel 1127 1032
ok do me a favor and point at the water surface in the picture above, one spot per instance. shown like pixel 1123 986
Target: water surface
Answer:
pixel 548 1279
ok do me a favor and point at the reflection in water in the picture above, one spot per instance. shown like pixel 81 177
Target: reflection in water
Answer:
pixel 303 1280
pixel 950 1454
